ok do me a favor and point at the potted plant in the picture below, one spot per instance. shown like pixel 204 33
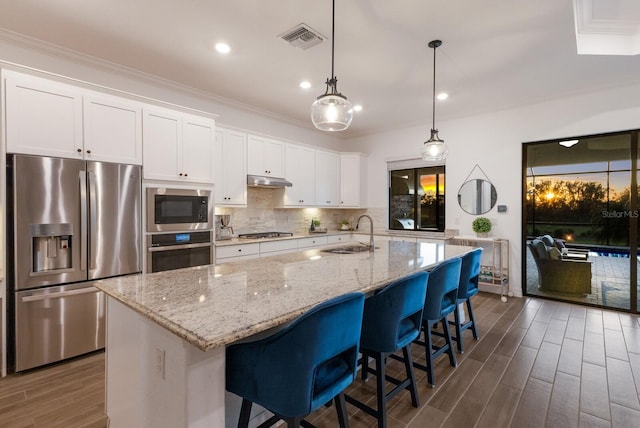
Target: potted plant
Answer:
pixel 344 225
pixel 481 226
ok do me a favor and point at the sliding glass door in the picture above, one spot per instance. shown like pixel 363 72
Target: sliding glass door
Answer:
pixel 580 216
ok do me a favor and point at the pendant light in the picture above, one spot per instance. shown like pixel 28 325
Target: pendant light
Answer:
pixel 332 111
pixel 434 148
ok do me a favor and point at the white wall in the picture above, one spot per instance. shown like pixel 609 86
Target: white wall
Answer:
pixel 494 142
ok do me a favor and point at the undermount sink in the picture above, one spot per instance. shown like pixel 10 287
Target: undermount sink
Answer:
pixel 348 250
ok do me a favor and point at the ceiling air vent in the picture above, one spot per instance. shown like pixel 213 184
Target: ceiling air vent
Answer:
pixel 302 36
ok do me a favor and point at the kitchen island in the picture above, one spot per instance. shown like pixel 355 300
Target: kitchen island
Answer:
pixel 167 331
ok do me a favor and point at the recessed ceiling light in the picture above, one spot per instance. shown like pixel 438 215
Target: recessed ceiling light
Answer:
pixel 357 107
pixel 305 84
pixel 223 48
pixel 442 96
pixel 569 143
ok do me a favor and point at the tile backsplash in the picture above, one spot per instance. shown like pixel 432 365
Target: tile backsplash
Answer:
pixel 263 213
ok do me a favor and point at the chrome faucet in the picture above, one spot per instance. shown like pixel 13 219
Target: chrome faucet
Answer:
pixel 371 244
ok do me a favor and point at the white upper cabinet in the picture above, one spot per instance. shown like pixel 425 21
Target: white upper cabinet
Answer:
pixel 353 180
pixel 162 144
pixel 230 168
pixel 178 146
pixel 49 118
pixel 43 117
pixel 198 148
pixel 300 171
pixel 265 157
pixel 112 129
pixel 327 181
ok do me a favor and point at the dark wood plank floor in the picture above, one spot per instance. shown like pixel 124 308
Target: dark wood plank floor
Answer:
pixel 537 363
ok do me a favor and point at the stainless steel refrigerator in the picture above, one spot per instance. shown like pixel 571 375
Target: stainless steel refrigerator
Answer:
pixel 70 221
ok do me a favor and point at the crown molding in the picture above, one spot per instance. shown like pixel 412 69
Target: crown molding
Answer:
pixel 57 52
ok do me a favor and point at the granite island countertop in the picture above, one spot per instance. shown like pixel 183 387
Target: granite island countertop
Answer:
pixel 211 306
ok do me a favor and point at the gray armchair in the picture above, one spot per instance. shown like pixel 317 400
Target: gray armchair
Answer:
pixel 560 275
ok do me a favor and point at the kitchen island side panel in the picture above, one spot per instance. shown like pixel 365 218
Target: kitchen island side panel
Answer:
pixel 155 379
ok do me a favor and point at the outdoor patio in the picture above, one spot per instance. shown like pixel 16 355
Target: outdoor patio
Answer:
pixel 609 282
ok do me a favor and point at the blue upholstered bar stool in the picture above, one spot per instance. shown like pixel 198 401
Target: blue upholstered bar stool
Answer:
pixel 301 367
pixel 467 288
pixel 442 294
pixel 391 321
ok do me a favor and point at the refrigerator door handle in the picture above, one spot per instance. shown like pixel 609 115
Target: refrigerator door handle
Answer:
pixel 93 223
pixel 83 220
pixel 47 296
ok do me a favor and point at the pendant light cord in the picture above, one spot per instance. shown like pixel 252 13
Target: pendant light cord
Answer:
pixel 433 125
pixel 333 35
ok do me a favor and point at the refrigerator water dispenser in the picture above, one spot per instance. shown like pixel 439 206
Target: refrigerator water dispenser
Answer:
pixel 51 247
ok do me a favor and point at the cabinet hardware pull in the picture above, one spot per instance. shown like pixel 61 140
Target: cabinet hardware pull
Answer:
pixel 88 152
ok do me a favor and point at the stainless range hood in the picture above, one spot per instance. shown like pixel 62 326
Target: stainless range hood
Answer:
pixel 269 182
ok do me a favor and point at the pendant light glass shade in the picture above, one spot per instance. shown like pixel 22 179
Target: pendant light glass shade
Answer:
pixel 434 148
pixel 332 111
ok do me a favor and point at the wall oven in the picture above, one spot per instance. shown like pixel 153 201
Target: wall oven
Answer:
pixel 167 251
pixel 177 210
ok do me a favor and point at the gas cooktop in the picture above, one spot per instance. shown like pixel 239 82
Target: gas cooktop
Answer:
pixel 260 235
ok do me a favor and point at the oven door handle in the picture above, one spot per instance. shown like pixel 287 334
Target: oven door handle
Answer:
pixel 178 247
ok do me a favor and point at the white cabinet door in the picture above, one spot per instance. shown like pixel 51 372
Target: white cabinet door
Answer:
pixel 229 253
pixel 112 129
pixel 327 179
pixel 274 158
pixel 265 157
pixel 300 170
pixel 177 146
pixel 255 155
pixel 230 167
pixel 352 180
pixel 338 239
pixel 198 136
pixel 162 144
pixel 312 242
pixel 43 117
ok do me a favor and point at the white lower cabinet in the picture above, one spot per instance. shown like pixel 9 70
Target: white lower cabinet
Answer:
pixel 338 239
pixel 232 253
pixel 304 243
pixel 272 248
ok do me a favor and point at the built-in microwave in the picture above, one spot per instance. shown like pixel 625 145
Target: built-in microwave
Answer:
pixel 176 210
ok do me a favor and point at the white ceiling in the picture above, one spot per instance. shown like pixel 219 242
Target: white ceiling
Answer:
pixel 496 54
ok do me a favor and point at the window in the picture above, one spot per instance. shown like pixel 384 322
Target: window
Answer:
pixel 416 199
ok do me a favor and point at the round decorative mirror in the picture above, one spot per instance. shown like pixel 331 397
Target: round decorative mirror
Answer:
pixel 477 196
